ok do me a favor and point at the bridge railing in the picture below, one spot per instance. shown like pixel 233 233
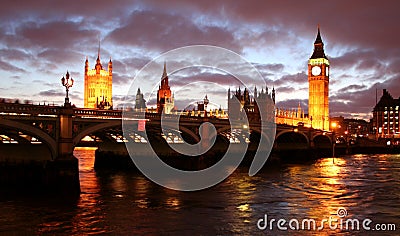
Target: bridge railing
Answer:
pixel 27 109
pixel 92 113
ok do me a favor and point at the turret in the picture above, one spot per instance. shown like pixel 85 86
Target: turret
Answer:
pixel 86 65
pixel 110 67
pixel 273 94
pixel 98 63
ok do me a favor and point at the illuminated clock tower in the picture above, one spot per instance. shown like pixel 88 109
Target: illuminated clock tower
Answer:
pixel 318 86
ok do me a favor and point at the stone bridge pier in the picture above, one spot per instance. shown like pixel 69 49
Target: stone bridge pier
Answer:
pixel 64 170
pixel 54 171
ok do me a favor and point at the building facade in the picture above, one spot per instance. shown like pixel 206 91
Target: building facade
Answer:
pixel 165 98
pixel 253 105
pixel 386 117
pixel 98 85
pixel 318 86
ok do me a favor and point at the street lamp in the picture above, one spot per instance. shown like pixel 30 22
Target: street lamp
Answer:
pixel 333 125
pixel 67 82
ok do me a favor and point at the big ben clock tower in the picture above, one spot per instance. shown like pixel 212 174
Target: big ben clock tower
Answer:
pixel 318 86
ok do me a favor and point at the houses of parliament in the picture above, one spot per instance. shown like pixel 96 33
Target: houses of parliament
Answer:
pixel 98 93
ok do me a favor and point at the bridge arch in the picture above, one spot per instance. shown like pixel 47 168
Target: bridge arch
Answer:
pixel 239 137
pixel 190 133
pixel 322 136
pixel 322 141
pixel 43 136
pixel 116 123
pixel 291 132
pixel 93 129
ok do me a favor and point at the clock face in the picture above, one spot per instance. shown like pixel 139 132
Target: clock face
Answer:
pixel 327 71
pixel 316 70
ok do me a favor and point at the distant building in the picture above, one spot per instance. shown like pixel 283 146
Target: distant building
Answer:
pixel 165 98
pixel 386 117
pixel 354 127
pixel 98 85
pixel 140 103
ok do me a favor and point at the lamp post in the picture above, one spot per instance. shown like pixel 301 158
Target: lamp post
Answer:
pixel 333 125
pixel 67 82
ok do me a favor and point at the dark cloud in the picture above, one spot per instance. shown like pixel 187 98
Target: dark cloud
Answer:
pixel 60 56
pixel 51 93
pixel 219 79
pixel 361 23
pixel 16 77
pixel 14 55
pixel 299 78
pixel 122 80
pixel 293 104
pixel 163 31
pixel 10 68
pixel 63 9
pixel 286 89
pixel 276 67
pixel 352 87
pixel 360 59
pixel 54 35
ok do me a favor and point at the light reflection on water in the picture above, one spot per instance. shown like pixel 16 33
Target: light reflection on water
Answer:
pixel 127 203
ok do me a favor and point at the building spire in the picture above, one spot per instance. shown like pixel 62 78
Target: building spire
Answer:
pixel 98 51
pixel 164 77
pixel 98 62
pixel 318 47
pixel 318 40
pixel 165 70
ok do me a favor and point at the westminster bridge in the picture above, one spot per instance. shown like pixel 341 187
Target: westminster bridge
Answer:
pixel 30 133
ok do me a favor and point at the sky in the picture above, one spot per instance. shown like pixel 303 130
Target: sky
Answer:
pixel 40 40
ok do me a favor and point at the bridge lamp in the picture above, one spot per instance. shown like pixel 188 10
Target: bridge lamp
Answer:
pixel 67 82
pixel 334 126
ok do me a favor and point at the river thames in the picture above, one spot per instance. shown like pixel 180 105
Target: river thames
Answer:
pixel 126 203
